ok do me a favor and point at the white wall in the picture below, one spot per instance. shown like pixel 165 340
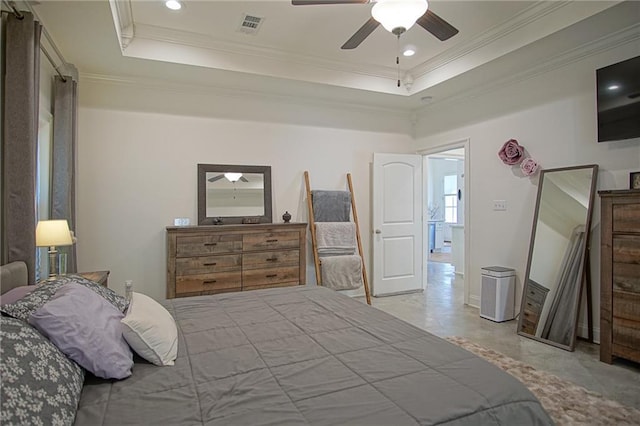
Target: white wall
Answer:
pixel 558 132
pixel 137 172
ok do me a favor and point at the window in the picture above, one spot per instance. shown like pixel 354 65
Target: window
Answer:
pixel 451 199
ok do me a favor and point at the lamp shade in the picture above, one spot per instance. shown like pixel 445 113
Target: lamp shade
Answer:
pixel 394 14
pixel 53 233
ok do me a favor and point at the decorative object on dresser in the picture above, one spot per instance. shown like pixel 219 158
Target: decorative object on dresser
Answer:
pixel 52 233
pixel 224 258
pixel 230 194
pixel 558 263
pixel 620 275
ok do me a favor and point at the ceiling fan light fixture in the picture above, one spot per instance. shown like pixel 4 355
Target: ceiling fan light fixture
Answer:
pixel 397 16
pixel 233 177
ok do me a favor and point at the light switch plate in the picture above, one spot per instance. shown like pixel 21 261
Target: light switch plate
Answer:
pixel 499 205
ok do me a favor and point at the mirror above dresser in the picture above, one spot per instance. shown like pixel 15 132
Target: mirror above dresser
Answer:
pixel 231 194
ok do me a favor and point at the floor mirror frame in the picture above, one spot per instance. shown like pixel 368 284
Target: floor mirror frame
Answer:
pixel 583 272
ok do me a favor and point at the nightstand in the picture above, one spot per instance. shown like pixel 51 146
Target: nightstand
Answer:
pixel 100 277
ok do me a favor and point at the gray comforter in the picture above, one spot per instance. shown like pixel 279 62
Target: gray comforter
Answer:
pixel 307 356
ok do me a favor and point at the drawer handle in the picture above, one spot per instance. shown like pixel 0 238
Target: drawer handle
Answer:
pixel 272 259
pixel 210 244
pixel 210 264
pixel 209 281
pixel 271 275
pixel 275 240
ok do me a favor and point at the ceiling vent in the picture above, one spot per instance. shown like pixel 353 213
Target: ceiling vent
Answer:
pixel 250 24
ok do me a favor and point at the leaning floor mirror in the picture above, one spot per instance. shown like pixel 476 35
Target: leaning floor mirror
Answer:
pixel 558 261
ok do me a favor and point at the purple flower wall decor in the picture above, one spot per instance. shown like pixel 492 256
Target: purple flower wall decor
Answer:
pixel 529 166
pixel 511 152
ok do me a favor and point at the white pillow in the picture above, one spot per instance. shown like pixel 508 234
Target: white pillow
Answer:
pixel 150 330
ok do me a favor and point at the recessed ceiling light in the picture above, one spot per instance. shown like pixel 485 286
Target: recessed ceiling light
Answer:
pixel 409 51
pixel 173 4
pixel 613 87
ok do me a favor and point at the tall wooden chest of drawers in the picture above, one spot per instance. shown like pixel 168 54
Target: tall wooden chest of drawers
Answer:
pixel 620 275
pixel 534 301
pixel 222 258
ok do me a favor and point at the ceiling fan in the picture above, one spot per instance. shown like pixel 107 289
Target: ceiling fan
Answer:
pixel 396 16
pixel 231 177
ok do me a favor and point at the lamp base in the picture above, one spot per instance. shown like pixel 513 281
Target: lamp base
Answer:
pixel 53 263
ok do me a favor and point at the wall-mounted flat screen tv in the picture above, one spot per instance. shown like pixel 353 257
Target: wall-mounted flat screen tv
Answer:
pixel 619 101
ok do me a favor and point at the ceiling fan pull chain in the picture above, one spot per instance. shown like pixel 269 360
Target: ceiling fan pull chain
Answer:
pixel 398 59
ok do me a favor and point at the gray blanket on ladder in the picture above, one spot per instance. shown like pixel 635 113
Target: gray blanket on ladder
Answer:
pixel 342 272
pixel 331 206
pixel 336 238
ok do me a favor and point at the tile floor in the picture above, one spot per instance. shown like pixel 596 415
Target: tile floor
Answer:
pixel 440 310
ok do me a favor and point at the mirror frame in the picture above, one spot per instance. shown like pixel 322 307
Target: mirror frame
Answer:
pixel 584 273
pixel 203 169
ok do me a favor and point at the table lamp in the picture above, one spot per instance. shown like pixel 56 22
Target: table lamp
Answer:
pixel 52 233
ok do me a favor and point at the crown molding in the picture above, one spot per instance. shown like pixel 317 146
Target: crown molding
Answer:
pixel 515 23
pixel 123 20
pixel 619 38
pixel 217 47
pixel 241 93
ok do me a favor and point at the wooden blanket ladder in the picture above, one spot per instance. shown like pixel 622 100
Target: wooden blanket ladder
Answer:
pixel 314 242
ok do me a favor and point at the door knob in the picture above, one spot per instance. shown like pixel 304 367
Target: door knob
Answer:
pixel 378 231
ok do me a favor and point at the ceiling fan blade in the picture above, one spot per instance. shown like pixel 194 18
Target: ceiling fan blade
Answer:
pixel 436 26
pixel 215 178
pixel 311 2
pixel 244 179
pixel 361 34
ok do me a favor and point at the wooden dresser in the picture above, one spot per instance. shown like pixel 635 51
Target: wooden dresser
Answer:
pixel 223 258
pixel 620 275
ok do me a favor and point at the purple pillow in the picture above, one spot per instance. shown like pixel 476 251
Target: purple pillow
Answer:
pixel 16 294
pixel 86 328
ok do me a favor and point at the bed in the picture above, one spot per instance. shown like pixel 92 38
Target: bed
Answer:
pixel 306 356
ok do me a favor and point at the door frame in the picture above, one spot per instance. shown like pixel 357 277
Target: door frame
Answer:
pixel 465 144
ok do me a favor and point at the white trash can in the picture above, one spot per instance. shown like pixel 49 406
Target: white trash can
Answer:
pixel 498 293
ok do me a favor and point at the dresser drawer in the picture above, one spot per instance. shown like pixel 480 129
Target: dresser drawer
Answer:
pixel 528 326
pixel 200 245
pixel 270 241
pixel 266 276
pixel 626 335
pixel 270 259
pixel 626 263
pixel 212 282
pixel 626 306
pixel 626 217
pixel 208 264
pixel 536 294
pixel 533 316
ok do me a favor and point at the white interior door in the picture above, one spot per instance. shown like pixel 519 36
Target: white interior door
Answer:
pixel 397 223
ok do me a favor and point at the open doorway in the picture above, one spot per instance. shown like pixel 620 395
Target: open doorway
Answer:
pixel 445 204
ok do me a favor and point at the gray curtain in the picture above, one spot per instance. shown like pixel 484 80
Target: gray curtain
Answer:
pixel 20 133
pixel 63 196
